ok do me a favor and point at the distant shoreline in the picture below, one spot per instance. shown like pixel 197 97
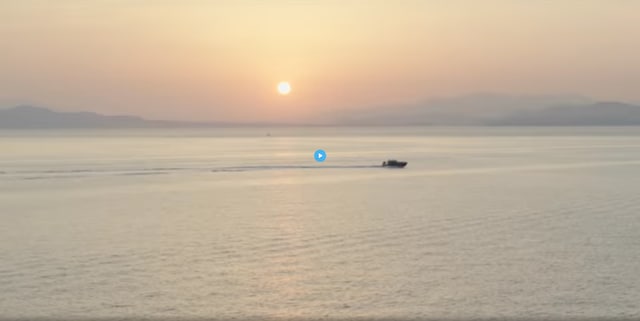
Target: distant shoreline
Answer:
pixel 494 114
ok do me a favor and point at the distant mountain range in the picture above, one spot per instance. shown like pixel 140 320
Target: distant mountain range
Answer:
pixel 30 117
pixel 473 110
pixel 596 114
pixel 499 110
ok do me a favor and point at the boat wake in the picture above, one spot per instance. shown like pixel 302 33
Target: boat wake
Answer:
pixel 284 167
pixel 150 171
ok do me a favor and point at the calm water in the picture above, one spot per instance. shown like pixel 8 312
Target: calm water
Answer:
pixel 230 223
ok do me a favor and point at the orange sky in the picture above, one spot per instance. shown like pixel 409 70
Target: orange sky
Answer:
pixel 222 60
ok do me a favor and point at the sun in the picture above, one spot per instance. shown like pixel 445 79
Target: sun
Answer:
pixel 284 88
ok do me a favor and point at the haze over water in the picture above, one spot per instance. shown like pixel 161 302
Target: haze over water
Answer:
pixel 222 60
pixel 231 223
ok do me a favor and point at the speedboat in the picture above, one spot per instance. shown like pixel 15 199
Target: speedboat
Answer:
pixel 394 163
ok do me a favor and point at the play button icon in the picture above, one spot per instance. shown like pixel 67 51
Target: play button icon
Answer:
pixel 320 155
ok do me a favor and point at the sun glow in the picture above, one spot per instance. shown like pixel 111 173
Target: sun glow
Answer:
pixel 284 88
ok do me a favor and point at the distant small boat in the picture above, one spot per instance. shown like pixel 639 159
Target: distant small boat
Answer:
pixel 394 163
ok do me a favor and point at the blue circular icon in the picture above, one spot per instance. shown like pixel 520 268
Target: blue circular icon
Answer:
pixel 320 155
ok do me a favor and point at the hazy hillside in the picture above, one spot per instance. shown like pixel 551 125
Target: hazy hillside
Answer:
pixel 30 117
pixel 598 114
pixel 477 109
pixel 499 110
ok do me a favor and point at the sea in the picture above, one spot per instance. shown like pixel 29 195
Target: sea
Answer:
pixel 242 223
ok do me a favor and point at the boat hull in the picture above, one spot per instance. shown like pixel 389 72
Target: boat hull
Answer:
pixel 396 165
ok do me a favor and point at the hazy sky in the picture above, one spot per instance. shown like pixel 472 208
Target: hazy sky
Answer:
pixel 222 60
